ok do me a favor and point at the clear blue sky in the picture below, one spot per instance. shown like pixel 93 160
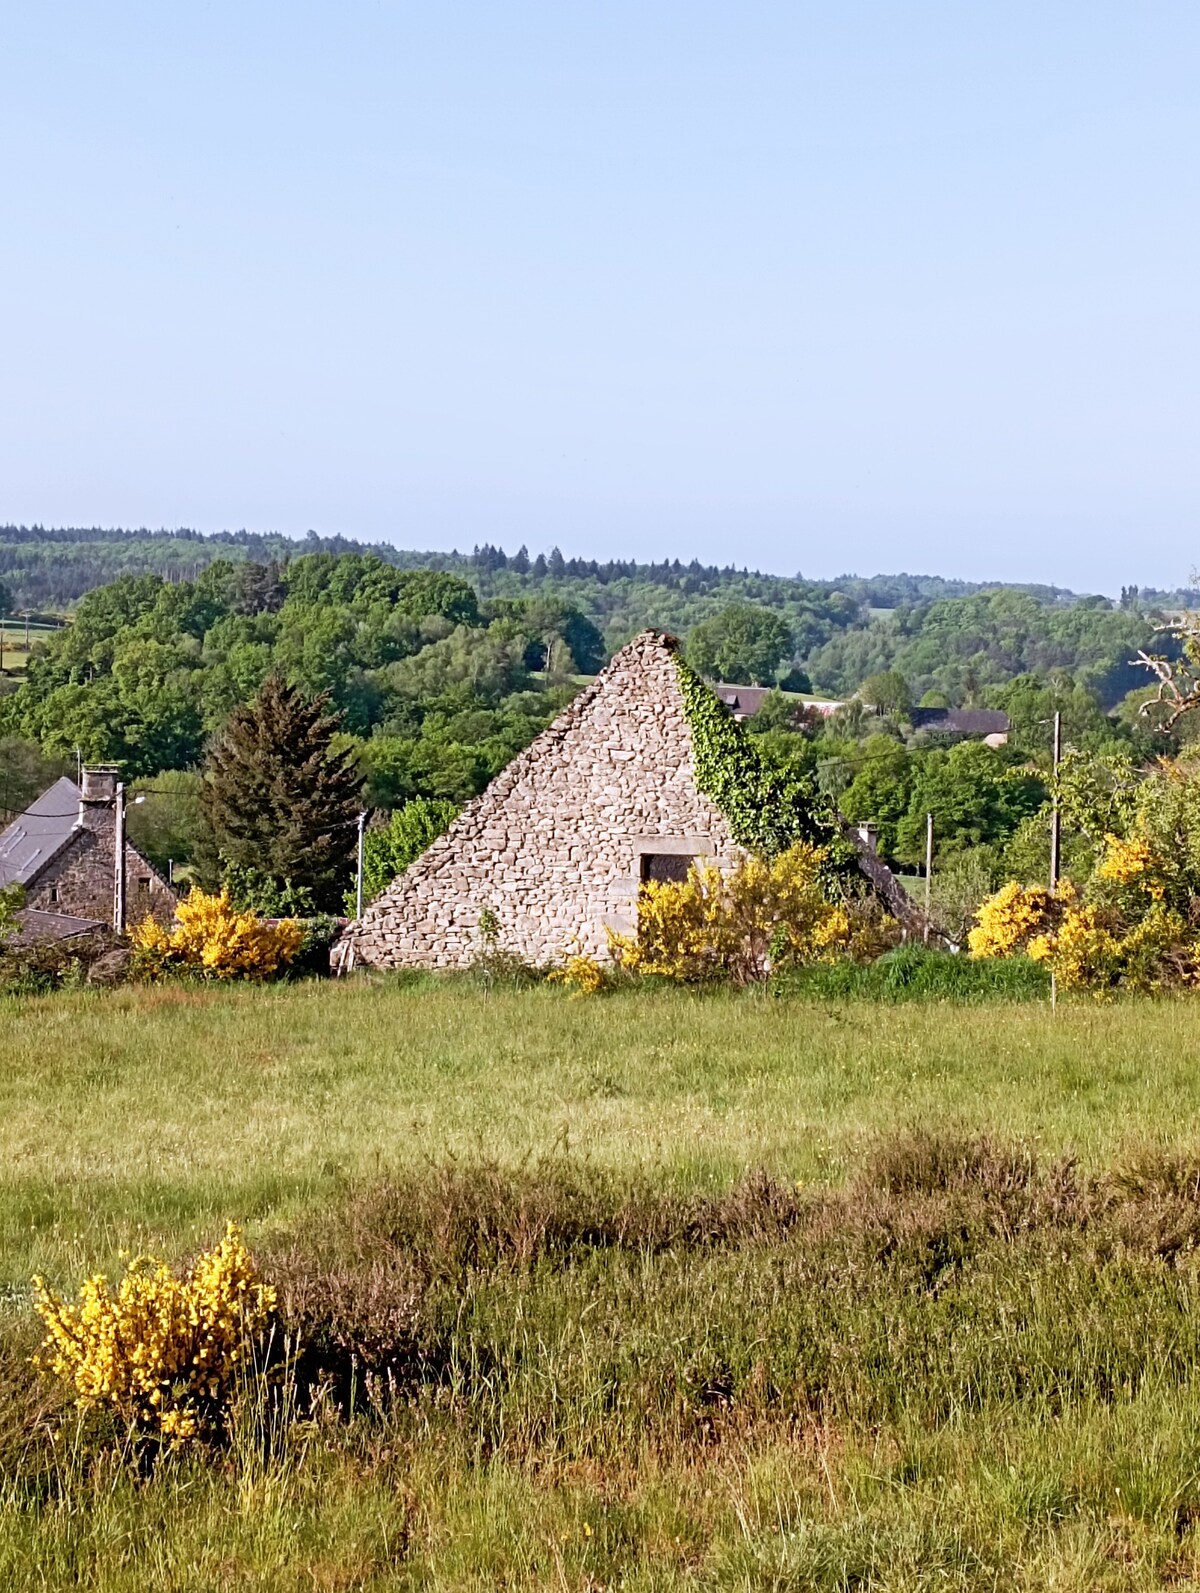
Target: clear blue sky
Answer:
pixel 804 286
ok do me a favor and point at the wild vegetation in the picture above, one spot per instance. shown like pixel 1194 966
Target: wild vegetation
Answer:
pixel 441 677
pixel 655 1291
pixel 955 634
pixel 875 1272
pixel 766 913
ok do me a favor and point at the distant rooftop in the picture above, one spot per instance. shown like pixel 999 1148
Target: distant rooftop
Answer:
pixel 744 702
pixel 962 721
pixel 37 927
pixel 44 828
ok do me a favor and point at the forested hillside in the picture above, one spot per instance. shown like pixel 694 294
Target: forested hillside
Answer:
pixel 441 679
pixel 52 568
pixel 442 690
pixel 955 637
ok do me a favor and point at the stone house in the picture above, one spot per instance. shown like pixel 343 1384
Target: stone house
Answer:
pixel 556 848
pixel 62 850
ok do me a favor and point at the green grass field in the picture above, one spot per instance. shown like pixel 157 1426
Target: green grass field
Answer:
pixel 14 654
pixel 697 1291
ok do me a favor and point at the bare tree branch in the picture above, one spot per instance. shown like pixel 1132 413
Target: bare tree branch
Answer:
pixel 1178 679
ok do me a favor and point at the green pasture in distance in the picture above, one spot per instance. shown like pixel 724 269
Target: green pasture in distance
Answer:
pixel 15 649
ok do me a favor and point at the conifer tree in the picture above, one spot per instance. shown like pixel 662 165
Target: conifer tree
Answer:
pixel 280 801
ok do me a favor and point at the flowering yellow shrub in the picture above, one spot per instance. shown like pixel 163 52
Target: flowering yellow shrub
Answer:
pixel 582 975
pixel 1138 925
pixel 1093 949
pixel 160 1352
pixel 1125 862
pixel 1080 952
pixel 1124 934
pixel 1007 921
pixel 212 938
pixel 732 925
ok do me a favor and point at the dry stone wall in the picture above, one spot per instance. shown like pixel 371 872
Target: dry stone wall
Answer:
pixel 553 848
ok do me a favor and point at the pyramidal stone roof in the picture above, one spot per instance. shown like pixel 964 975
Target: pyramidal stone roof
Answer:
pixel 552 854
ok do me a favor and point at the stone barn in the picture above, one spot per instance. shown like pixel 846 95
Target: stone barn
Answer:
pixel 558 845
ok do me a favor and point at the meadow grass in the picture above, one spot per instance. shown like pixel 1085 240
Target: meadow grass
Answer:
pixel 650 1291
pixel 152 1115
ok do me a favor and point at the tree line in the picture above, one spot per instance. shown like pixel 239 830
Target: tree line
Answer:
pixel 436 681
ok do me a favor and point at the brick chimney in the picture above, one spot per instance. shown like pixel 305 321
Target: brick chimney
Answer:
pixel 868 834
pixel 97 797
pixel 100 783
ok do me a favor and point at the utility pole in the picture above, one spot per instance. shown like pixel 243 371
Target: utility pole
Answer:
pixel 358 885
pixel 119 861
pixel 928 870
pixel 1055 840
pixel 1055 822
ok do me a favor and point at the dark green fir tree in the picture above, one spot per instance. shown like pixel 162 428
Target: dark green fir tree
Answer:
pixel 281 801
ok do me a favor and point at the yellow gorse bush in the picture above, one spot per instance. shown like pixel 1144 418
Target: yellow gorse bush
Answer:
pixel 581 974
pixel 211 937
pixel 160 1352
pixel 732 924
pixel 1125 862
pixel 1125 933
pixel 1094 949
pixel 1007 921
pixel 1081 952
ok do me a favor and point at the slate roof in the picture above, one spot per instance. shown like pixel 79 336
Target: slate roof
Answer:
pixel 745 700
pixel 41 832
pixel 962 721
pixel 35 927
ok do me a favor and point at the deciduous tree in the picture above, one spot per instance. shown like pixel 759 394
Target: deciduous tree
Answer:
pixel 744 644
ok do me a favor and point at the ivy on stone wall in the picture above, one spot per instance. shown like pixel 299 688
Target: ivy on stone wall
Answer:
pixel 768 809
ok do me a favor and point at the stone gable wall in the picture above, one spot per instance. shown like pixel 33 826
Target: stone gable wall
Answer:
pixel 82 874
pixel 553 847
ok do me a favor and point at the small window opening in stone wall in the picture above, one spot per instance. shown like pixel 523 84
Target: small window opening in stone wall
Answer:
pixel 665 866
pixel 143 884
pixel 54 895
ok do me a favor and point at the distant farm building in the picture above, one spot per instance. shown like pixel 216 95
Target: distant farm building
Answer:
pixel 744 702
pixel 554 852
pixel 62 851
pixel 988 725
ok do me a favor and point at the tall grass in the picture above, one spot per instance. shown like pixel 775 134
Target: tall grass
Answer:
pixel 144 1119
pixel 964 1370
pixel 649 1292
pixel 917 973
